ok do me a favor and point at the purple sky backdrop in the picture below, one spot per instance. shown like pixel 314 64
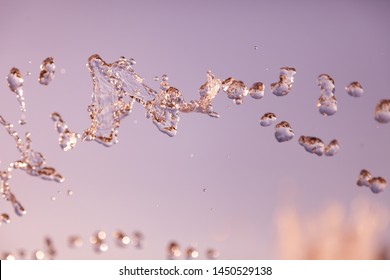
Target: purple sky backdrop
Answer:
pixel 149 181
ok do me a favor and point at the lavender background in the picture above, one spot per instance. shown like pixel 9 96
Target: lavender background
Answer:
pixel 153 183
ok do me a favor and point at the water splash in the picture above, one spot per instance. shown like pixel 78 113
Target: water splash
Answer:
pixel 283 132
pixel 31 162
pixel 286 80
pixel 15 84
pixel 327 103
pixel 376 184
pixel 46 75
pixel 212 254
pixel 354 89
pixel 267 119
pixel 382 111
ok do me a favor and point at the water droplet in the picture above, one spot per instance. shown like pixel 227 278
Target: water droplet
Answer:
pixel 29 62
pixel 204 190
pixel 97 241
pixel 75 241
pixel 15 84
pixel 332 148
pixel 173 250
pixel 38 255
pixel 8 256
pixel 364 178
pixel 327 103
pixel 354 89
pixel 132 61
pixel 4 218
pixel 283 132
pixel 63 71
pixel 46 75
pixel 191 253
pixel 156 78
pixel 267 119
pixel 122 240
pixel 192 155
pixel 377 184
pixel 256 48
pixel 70 192
pixel 28 73
pixel 212 254
pixel 312 144
pixel 53 198
pixel 286 81
pixel 164 78
pixel 256 91
pixel 235 90
pixel 135 122
pixel 67 138
pixel 382 111
pixel 137 239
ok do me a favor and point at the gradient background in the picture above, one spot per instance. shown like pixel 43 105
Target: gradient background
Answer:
pixel 153 183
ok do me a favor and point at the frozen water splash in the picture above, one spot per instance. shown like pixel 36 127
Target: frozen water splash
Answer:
pixel 376 184
pixel 382 111
pixel 15 84
pixel 327 103
pixel 256 91
pixel 354 89
pixel 267 119
pixel 283 132
pixel 46 75
pixel 67 139
pixel 316 146
pixel 286 80
pixel 235 90
pixel 32 162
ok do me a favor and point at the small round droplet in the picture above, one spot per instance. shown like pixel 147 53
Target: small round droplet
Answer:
pixel 212 254
pixel 28 73
pixel 75 241
pixel 382 111
pixel 191 253
pixel 156 78
pixel 204 190
pixel 39 255
pixel 164 78
pixel 63 71
pixel 256 48
pixel 173 250
pixel 70 192
pixel 53 198
pixel 132 61
pixel 354 89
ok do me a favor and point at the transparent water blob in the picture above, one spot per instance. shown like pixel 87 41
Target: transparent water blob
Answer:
pixel 235 90
pixel 378 184
pixel 285 83
pixel 267 119
pixel 283 132
pixel 354 89
pixel 75 241
pixel 312 145
pixel 4 218
pixel 256 91
pixel 121 239
pixel 98 241
pixel 15 84
pixel 173 250
pixel 364 178
pixel 332 148
pixel 327 103
pixel 382 111
pixel 46 75
pixel 191 253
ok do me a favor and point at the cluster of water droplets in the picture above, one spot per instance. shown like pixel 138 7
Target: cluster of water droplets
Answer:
pixel 31 162
pixel 376 184
pixel 316 146
pixel 174 252
pixel 48 252
pixel 327 103
pixel 285 83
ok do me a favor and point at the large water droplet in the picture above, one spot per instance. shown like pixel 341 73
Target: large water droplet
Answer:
pixel 382 111
pixel 364 178
pixel 46 75
pixel 354 89
pixel 332 148
pixel 283 132
pixel 312 145
pixel 256 91
pixel 378 184
pixel 286 80
pixel 267 119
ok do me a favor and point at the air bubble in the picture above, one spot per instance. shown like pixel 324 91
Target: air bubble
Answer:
pixel 267 119
pixel 354 89
pixel 283 132
pixel 256 91
pixel 382 111
pixel 173 251
pixel 286 80
pixel 46 75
